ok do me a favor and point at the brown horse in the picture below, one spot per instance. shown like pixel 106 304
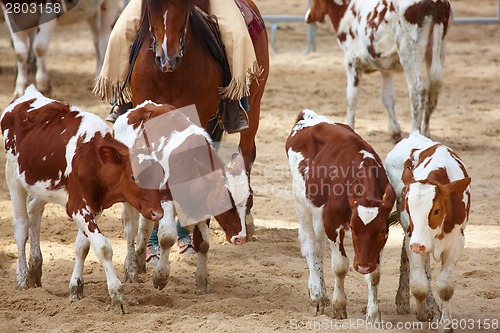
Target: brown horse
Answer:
pixel 189 73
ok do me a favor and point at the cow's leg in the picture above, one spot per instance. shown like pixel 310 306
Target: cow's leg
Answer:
pixel 340 266
pixel 388 99
pixel 372 309
pixel 21 41
pixel 145 228
pixel 434 61
pixel 412 42
pixel 403 294
pixel 201 242
pixel 419 283
pixel 353 78
pixel 21 223
pixel 40 48
pixel 100 25
pixel 130 219
pixel 167 236
pixel 445 281
pixel 35 211
pixel 104 252
pixel 82 246
pixel 311 249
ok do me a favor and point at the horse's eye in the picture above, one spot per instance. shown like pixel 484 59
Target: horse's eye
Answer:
pixel 436 212
pixel 134 179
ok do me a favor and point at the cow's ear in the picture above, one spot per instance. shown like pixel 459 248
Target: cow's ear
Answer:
pixel 389 197
pixel 407 177
pixel 458 186
pixel 317 11
pixel 109 154
pixel 354 192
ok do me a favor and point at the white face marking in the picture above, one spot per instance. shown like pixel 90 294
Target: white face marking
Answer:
pixel 367 214
pixel 420 200
pixel 164 44
pixel 311 118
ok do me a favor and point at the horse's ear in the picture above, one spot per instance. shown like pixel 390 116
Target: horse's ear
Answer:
pixel 317 11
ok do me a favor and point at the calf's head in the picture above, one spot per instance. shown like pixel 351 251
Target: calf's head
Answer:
pixel 369 227
pixel 120 173
pixel 428 204
pixel 233 186
pixel 317 11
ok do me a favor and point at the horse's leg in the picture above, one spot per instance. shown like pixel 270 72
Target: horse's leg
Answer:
pixel 249 150
pixel 40 48
pixel 201 243
pixel 130 218
pixel 167 236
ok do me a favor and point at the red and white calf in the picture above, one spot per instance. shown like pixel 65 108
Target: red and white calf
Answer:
pixel 379 35
pixel 340 187
pixel 197 186
pixel 99 14
pixel 58 153
pixel 433 192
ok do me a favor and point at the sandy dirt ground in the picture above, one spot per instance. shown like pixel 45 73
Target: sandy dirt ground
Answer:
pixel 262 286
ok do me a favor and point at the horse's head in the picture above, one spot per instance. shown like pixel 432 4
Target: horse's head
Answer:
pixel 168 25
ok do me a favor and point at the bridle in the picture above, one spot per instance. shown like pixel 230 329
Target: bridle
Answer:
pixel 182 39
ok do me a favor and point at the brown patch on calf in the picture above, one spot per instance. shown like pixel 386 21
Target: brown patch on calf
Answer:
pixel 427 153
pixel 332 152
pixel 440 11
pixel 40 138
pixel 147 112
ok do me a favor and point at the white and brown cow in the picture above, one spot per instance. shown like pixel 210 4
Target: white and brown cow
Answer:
pixel 58 153
pixel 381 35
pixel 99 14
pixel 433 192
pixel 197 186
pixel 340 187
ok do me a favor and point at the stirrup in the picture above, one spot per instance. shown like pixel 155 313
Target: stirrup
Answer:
pixel 111 117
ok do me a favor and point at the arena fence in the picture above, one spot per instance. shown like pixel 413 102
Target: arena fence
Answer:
pixel 275 20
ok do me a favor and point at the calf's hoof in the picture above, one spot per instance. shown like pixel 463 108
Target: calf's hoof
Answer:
pixel 396 137
pixel 373 317
pixel 119 305
pixel 339 313
pixel 160 280
pixel 76 292
pixel 318 304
